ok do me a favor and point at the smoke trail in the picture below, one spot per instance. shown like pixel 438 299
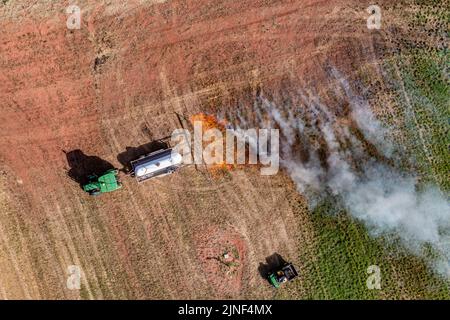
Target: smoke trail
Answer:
pixel 344 154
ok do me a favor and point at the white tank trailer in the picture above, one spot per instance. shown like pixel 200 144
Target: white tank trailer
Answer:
pixel 155 164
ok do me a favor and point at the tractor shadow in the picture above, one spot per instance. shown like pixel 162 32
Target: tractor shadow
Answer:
pixel 82 165
pixel 273 263
pixel 133 153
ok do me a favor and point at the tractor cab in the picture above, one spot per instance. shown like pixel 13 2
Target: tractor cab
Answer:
pixel 285 274
pixel 107 182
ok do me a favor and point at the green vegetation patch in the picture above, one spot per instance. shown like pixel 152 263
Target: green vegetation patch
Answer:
pixel 345 250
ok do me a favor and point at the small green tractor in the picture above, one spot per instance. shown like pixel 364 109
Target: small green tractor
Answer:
pixel 285 274
pixel 107 182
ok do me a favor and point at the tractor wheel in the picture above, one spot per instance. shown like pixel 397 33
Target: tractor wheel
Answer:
pixel 94 193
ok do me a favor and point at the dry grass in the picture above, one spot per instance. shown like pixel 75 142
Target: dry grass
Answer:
pixel 148 241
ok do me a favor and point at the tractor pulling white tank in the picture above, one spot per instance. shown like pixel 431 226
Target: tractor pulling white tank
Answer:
pixel 155 164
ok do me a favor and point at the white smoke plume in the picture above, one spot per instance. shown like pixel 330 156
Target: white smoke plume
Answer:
pixel 325 152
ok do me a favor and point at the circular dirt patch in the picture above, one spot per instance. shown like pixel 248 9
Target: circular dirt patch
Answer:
pixel 222 255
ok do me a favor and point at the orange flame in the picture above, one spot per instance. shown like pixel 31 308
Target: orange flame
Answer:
pixel 211 122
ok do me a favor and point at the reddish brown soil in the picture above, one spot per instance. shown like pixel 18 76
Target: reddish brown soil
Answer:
pixel 157 58
pixel 222 254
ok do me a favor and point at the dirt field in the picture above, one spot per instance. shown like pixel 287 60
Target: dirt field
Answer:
pixel 101 94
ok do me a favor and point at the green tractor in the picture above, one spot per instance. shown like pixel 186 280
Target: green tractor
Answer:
pixel 285 274
pixel 107 182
